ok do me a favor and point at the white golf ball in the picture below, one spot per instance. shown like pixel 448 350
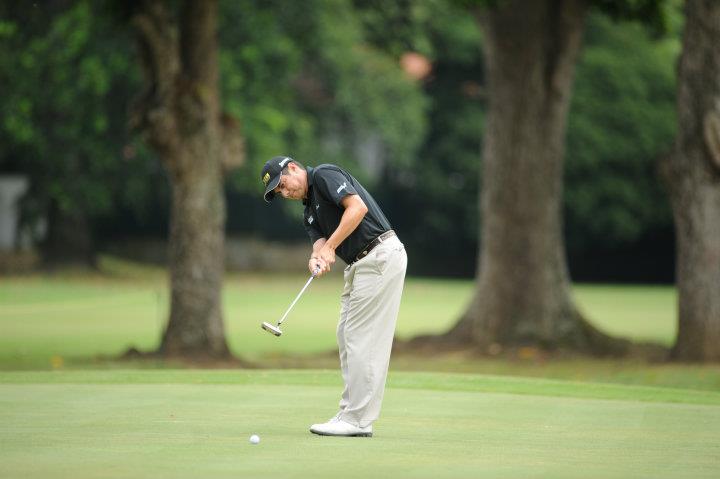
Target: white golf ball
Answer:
pixel 254 439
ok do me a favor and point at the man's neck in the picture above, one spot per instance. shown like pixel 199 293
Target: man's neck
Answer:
pixel 307 184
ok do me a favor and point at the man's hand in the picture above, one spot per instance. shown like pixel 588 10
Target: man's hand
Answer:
pixel 317 266
pixel 322 260
pixel 326 255
pixel 324 249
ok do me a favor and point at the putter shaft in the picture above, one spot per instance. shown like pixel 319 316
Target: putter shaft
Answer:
pixel 276 329
pixel 296 299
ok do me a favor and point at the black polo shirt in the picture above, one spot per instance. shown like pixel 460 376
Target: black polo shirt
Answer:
pixel 327 186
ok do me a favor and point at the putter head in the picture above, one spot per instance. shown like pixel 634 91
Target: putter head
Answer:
pixel 271 329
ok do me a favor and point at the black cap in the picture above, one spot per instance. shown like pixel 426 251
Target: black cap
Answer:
pixel 270 174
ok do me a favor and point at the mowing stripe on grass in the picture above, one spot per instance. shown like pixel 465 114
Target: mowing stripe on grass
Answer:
pixel 400 380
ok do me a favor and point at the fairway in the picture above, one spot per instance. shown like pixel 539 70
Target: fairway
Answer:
pixel 82 316
pixel 197 424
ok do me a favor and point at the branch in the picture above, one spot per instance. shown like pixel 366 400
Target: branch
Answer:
pixel 152 111
pixel 199 44
pixel 157 33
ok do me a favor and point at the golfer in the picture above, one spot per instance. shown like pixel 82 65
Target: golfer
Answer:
pixel 342 218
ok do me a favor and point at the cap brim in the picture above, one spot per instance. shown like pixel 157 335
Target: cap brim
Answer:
pixel 269 195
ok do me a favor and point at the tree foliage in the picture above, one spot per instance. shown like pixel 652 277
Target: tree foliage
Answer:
pixel 436 197
pixel 67 74
pixel 321 80
pixel 621 121
pixel 304 81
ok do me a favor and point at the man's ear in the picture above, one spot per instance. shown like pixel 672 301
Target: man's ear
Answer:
pixel 294 167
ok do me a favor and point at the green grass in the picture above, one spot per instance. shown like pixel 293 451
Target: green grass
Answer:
pixel 64 413
pixel 121 311
pixel 641 313
pixel 81 316
pixel 178 424
pixel 70 319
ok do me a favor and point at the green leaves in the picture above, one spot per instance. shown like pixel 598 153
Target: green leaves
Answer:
pixel 321 80
pixel 306 79
pixel 654 14
pixel 622 119
pixel 67 80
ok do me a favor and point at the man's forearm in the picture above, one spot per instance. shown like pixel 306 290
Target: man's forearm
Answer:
pixel 324 250
pixel 351 218
pixel 317 246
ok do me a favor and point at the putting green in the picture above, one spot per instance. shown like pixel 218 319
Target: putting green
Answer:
pixel 197 424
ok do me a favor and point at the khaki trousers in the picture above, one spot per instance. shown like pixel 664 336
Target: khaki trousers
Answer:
pixel 368 314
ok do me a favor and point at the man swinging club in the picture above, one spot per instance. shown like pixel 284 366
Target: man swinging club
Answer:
pixel 341 217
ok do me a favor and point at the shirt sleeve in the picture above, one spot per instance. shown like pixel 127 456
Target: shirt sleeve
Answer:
pixel 309 222
pixel 333 185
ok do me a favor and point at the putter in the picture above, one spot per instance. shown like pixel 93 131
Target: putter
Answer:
pixel 276 329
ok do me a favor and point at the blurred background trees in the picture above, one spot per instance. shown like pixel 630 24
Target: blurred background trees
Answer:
pixel 66 76
pixel 394 91
pixel 179 114
pixel 522 290
pixel 692 173
pixel 324 82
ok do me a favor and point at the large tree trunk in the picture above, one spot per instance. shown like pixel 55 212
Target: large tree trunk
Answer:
pixel 692 173
pixel 196 265
pixel 180 114
pixel 522 294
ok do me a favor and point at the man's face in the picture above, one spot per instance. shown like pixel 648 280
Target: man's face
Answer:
pixel 293 185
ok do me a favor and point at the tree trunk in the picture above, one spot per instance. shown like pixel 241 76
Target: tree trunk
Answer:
pixel 180 114
pixel 196 264
pixel 522 294
pixel 692 173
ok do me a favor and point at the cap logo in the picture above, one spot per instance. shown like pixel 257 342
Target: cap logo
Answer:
pixel 266 178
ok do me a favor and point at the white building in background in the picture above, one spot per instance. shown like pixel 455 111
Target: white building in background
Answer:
pixel 12 188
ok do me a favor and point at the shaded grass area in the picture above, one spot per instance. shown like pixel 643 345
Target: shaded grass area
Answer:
pixel 197 423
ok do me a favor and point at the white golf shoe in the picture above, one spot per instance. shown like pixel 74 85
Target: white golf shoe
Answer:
pixel 338 427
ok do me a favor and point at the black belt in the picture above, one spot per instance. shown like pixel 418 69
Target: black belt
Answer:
pixel 366 250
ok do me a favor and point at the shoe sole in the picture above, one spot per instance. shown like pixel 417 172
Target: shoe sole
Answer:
pixel 360 434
